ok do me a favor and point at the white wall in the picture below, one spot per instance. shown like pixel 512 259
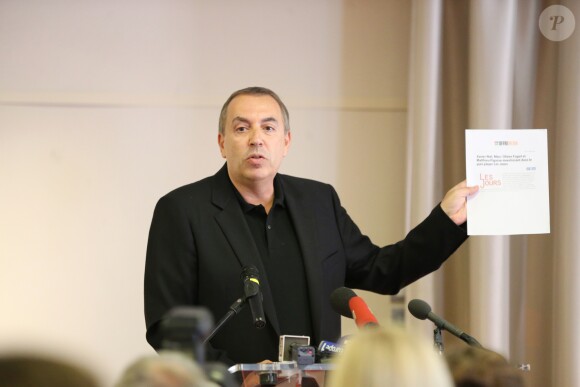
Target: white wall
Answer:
pixel 105 106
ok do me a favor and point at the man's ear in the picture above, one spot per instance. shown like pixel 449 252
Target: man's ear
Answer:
pixel 287 141
pixel 221 139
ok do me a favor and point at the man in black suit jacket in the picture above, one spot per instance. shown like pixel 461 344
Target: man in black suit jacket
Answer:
pixel 293 230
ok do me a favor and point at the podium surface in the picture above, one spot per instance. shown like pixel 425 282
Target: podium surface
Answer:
pixel 286 373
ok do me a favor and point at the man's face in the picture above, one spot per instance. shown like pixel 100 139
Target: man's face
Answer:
pixel 254 142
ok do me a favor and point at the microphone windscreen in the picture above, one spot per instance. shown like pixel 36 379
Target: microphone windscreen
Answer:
pixel 249 272
pixel 339 300
pixel 419 309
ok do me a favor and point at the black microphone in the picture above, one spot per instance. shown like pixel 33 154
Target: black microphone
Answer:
pixel 253 295
pixel 345 302
pixel 421 310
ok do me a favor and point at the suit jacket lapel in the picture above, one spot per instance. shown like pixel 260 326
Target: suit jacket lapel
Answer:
pixel 306 231
pixel 234 227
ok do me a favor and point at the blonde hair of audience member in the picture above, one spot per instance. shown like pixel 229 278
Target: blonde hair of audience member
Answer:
pixel 478 367
pixel 165 369
pixel 38 370
pixel 389 356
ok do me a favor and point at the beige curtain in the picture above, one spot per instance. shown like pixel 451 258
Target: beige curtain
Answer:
pixel 485 64
pixel 423 146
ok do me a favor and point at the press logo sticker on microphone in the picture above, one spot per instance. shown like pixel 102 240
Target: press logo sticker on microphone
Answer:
pixel 327 346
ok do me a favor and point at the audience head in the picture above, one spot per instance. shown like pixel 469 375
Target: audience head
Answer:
pixel 389 356
pixel 478 367
pixel 166 369
pixel 36 370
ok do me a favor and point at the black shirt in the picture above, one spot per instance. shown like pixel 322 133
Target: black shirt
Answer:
pixel 276 240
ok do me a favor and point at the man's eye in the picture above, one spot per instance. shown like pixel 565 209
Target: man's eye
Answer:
pixel 269 129
pixel 240 129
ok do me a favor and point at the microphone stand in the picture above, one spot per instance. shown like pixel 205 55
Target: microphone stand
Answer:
pixel 438 339
pixel 235 308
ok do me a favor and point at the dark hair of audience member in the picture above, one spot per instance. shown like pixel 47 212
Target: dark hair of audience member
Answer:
pixel 477 367
pixel 35 370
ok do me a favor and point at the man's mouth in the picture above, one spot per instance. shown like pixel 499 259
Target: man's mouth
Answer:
pixel 256 156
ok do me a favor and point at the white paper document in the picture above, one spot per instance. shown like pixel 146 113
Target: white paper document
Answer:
pixel 511 169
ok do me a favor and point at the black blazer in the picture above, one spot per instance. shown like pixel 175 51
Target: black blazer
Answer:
pixel 199 242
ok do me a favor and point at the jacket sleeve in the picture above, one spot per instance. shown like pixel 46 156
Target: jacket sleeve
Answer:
pixel 389 268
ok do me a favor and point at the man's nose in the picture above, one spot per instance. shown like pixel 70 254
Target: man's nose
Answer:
pixel 256 138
